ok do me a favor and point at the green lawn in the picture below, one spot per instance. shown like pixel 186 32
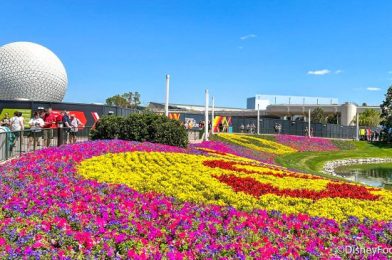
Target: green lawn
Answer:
pixel 313 162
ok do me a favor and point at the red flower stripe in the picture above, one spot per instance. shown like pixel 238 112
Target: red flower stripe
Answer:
pixel 251 186
pixel 231 166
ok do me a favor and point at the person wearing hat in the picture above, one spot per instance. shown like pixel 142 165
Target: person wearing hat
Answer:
pixel 75 124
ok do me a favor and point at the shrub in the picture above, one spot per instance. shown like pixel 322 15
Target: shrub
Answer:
pixel 141 127
pixel 108 127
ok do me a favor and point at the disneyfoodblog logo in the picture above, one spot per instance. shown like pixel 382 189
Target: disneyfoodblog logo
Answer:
pixel 366 250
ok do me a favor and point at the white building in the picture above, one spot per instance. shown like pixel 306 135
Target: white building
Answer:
pixel 263 101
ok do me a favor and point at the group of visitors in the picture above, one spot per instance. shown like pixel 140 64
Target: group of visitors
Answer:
pixel 250 128
pixel 278 128
pixel 307 132
pixel 376 134
pixel 191 124
pixel 41 125
pixel 222 128
pixel 202 124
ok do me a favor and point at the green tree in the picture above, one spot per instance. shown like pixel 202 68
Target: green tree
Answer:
pixel 386 109
pixel 136 99
pixel 332 119
pixel 128 96
pixel 118 101
pixel 369 117
pixel 126 100
pixel 318 116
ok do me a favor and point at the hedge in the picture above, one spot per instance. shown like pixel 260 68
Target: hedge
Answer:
pixel 141 127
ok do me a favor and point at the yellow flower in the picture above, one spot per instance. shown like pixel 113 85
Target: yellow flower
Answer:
pixel 258 144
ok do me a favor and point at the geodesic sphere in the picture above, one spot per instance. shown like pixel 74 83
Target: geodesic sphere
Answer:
pixel 31 71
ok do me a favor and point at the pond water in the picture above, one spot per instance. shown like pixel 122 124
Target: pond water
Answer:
pixel 376 175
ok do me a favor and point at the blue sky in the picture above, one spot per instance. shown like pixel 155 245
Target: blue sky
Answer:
pixel 236 49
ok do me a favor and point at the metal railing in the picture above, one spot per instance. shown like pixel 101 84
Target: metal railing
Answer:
pixel 267 126
pixel 15 143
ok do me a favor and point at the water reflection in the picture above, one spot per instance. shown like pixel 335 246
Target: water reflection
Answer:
pixel 377 176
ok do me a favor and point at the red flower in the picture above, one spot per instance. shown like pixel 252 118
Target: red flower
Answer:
pixel 251 186
pixel 229 165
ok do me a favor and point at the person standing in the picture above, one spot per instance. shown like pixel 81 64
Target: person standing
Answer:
pixel 279 126
pixel 50 124
pixel 66 125
pixel 252 128
pixel 36 124
pixel 220 127
pixel 368 134
pixel 377 135
pixel 20 115
pixel 16 125
pixel 242 128
pixel 75 124
pixel 190 124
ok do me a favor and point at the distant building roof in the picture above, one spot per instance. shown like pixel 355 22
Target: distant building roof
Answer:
pixel 188 107
pixel 263 101
pixel 278 99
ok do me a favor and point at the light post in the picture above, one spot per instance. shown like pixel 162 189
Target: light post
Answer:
pixel 309 134
pixel 167 95
pixel 357 128
pixel 206 118
pixel 212 115
pixel 258 119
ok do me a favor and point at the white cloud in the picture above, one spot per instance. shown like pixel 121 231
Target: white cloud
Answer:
pixel 373 89
pixel 319 72
pixel 248 36
pixel 338 71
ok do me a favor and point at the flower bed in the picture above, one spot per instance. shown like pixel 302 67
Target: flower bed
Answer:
pixel 302 143
pixel 226 148
pixel 159 201
pixel 258 144
pixel 235 181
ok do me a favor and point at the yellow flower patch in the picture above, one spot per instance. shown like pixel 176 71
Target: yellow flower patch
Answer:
pixel 258 144
pixel 186 177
